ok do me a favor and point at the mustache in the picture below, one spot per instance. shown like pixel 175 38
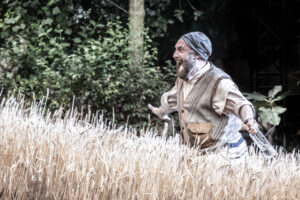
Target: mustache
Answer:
pixel 178 65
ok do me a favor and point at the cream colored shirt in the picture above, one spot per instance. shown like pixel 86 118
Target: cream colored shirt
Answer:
pixel 227 100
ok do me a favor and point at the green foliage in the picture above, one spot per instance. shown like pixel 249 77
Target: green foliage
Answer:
pixel 157 17
pixel 60 46
pixel 268 111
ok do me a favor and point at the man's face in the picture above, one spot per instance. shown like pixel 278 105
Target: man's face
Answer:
pixel 185 59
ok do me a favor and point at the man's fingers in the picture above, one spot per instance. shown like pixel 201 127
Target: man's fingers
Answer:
pixel 250 125
pixel 155 110
pixel 150 107
pixel 251 130
pixel 158 113
pixel 245 126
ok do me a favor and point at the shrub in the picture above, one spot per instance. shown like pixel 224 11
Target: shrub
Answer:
pixel 62 48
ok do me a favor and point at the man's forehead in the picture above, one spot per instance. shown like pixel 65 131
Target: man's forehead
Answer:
pixel 181 43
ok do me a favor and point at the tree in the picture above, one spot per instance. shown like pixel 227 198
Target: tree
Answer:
pixel 136 19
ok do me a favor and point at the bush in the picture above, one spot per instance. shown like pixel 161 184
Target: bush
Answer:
pixel 65 50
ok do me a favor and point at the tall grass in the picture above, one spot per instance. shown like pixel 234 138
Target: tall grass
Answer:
pixel 47 156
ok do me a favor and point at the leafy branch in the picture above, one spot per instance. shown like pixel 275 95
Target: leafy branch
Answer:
pixel 268 110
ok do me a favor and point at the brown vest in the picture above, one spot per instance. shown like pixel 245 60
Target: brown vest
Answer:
pixel 201 126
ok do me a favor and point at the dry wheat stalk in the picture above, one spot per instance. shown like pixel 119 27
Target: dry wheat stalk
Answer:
pixel 45 156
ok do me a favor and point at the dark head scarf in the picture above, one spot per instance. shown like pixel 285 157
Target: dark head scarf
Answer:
pixel 199 43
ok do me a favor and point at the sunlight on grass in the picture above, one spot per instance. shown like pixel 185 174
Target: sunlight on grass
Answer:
pixel 47 156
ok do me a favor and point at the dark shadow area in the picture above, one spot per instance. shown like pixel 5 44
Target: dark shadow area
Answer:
pixel 258 44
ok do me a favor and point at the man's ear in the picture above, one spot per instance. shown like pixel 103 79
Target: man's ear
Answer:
pixel 197 57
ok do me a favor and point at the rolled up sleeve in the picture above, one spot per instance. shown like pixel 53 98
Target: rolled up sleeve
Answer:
pixel 228 99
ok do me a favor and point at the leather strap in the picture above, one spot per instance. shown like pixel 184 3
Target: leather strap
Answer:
pixel 184 128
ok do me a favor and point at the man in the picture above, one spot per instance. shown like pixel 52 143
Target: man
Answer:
pixel 209 104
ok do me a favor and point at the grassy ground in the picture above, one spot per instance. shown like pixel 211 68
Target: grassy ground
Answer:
pixel 46 156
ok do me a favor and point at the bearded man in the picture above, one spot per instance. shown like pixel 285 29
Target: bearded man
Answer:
pixel 210 106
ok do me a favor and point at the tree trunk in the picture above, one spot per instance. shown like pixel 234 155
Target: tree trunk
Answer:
pixel 136 19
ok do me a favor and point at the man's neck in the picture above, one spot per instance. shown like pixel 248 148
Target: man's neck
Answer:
pixel 199 64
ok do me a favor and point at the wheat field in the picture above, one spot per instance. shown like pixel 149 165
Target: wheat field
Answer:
pixel 47 156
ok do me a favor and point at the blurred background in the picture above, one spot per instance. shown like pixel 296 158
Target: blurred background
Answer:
pixel 115 56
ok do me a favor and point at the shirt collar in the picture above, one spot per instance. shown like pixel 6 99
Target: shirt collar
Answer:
pixel 200 67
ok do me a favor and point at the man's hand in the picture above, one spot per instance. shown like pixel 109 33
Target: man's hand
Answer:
pixel 158 112
pixel 250 125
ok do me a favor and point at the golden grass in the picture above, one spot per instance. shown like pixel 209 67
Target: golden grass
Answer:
pixel 53 158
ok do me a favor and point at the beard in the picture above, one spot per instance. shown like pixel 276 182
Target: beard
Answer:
pixel 184 67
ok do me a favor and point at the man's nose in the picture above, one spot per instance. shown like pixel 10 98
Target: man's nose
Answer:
pixel 175 55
